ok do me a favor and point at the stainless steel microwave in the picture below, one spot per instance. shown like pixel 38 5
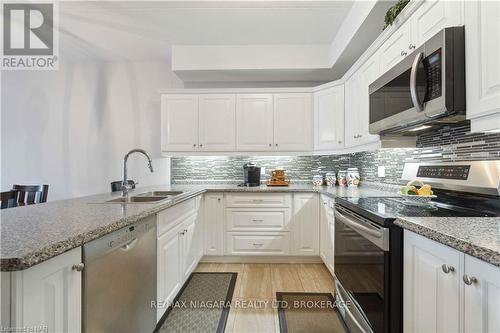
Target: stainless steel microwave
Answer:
pixel 424 89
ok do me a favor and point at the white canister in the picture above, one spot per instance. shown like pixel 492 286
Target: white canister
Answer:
pixel 317 180
pixel 352 177
pixel 331 179
pixel 342 178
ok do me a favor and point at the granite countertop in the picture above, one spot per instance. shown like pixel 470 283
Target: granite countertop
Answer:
pixel 476 236
pixel 32 234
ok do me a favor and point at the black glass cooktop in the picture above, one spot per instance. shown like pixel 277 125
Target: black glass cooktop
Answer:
pixel 384 210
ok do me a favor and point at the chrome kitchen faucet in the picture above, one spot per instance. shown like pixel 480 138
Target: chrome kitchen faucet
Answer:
pixel 125 185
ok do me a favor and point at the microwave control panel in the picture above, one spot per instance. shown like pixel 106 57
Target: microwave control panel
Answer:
pixel 433 68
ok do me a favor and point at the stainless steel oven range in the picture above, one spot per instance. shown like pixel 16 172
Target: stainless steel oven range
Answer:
pixel 368 255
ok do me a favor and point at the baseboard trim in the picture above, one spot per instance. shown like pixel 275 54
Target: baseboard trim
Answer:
pixel 263 259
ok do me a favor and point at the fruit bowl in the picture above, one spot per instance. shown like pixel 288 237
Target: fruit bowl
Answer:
pixel 416 200
pixel 411 195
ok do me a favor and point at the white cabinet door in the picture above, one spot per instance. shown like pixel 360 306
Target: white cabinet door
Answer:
pixel 254 122
pixel 323 230
pixel 329 118
pixel 433 16
pixel 179 120
pixel 330 257
pixel 369 72
pixel 431 296
pixel 395 48
pixel 352 105
pixel 213 224
pixel 49 294
pixel 190 244
pixel 293 122
pixel 169 267
pixel 482 40
pixel 481 297
pixel 217 122
pixel 305 224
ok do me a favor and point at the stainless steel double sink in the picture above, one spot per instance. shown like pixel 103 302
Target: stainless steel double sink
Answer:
pixel 147 197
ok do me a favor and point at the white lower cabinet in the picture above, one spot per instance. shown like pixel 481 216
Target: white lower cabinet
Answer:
pixel 169 269
pixel 431 296
pixel 213 233
pixel 48 295
pixel 179 249
pixel 446 290
pixel 326 232
pixel 192 244
pixel 258 243
pixel 481 296
pixel 305 224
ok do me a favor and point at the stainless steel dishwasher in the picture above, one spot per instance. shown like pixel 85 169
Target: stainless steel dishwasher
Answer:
pixel 119 280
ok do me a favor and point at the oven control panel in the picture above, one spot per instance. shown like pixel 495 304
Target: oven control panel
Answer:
pixel 456 172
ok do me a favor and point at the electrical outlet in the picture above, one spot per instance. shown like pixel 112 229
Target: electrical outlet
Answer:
pixel 381 171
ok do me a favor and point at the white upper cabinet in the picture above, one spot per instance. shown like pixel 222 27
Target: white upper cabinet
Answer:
pixel 217 122
pixel 368 73
pixel 352 103
pixel 292 122
pixel 481 296
pixel 482 40
pixel 357 104
pixel 433 16
pixel 396 47
pixel 179 119
pixel 329 118
pixel 254 122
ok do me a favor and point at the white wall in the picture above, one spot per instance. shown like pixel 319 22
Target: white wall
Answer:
pixel 70 128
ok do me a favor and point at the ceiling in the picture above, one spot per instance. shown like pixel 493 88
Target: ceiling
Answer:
pixel 146 29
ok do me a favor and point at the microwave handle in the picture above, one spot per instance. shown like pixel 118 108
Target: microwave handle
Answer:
pixel 413 83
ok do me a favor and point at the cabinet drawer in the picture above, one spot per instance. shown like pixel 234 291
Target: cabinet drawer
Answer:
pixel 277 243
pixel 170 217
pixel 258 200
pixel 245 219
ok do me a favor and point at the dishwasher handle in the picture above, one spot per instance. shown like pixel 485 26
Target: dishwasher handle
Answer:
pixel 130 245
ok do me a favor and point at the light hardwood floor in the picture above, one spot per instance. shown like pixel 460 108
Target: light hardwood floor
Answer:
pixel 256 288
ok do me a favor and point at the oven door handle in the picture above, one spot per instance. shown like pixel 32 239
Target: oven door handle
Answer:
pixel 413 83
pixel 357 226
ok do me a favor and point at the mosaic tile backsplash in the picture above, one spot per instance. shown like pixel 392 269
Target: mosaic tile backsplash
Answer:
pixel 448 144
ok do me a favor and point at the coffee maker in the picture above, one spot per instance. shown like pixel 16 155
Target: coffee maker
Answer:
pixel 252 174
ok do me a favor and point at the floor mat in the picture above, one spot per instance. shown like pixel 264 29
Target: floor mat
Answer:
pixel 308 312
pixel 202 304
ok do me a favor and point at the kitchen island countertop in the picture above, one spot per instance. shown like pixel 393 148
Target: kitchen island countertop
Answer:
pixel 32 234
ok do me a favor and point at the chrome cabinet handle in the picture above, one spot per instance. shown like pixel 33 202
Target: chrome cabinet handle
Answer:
pixel 78 267
pixel 185 230
pixel 257 220
pixel 404 53
pixel 276 145
pixel 447 268
pixel 412 46
pixel 218 199
pixel 469 280
pixel 201 145
pixel 257 200
pixel 194 144
pixel 257 244
pixel 270 145
pixel 359 136
pixel 340 141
